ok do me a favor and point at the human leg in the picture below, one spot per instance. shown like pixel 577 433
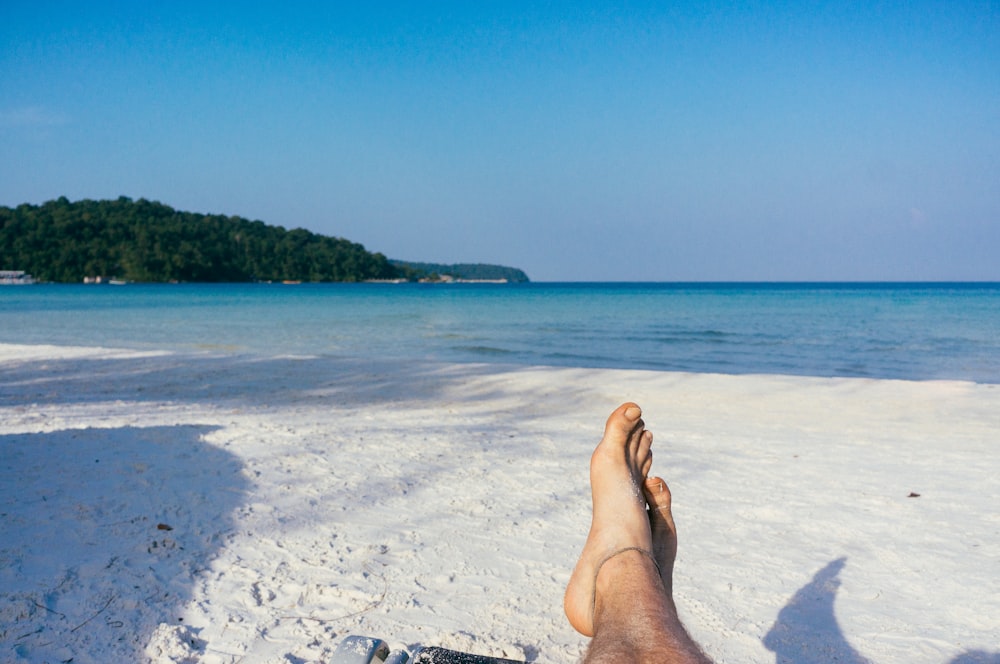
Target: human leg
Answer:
pixel 619 520
pixel 621 589
pixel 662 530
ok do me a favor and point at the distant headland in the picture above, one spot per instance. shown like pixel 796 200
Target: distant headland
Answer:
pixel 460 272
pixel 145 241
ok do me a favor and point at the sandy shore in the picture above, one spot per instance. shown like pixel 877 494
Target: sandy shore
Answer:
pixel 204 508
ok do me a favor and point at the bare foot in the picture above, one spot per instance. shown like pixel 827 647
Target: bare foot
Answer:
pixel 662 528
pixel 618 469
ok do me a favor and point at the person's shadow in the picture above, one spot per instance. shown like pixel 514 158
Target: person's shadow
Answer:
pixel 806 630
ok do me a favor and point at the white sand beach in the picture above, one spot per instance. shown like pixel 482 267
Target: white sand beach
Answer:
pixel 222 508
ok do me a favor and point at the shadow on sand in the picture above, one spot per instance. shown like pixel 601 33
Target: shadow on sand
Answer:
pixel 103 533
pixel 236 380
pixel 807 632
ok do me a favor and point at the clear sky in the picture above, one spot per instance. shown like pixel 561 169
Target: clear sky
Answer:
pixel 648 141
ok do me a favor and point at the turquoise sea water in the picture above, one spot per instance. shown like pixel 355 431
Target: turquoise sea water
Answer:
pixel 912 331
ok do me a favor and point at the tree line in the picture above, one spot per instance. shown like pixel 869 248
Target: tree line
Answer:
pixel 141 240
pixel 472 271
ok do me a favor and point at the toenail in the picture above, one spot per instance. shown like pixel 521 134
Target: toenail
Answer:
pixel 633 412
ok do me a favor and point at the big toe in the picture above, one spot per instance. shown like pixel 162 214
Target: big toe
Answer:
pixel 623 421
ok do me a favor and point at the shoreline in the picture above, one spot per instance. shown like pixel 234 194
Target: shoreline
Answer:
pixel 17 352
pixel 311 498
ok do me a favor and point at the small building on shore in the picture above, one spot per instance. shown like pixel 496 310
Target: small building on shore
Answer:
pixel 15 278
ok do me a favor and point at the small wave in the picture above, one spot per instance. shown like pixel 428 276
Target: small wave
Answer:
pixel 484 350
pixel 33 352
pixel 693 338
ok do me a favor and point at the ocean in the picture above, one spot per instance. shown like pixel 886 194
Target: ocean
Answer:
pixel 904 331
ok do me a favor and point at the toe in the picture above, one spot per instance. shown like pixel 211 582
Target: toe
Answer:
pixel 623 421
pixel 645 443
pixel 657 493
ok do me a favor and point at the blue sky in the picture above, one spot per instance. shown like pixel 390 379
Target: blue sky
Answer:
pixel 576 140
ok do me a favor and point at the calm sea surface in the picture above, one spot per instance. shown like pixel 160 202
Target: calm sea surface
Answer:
pixel 913 331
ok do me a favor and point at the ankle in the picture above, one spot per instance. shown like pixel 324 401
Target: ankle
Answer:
pixel 626 575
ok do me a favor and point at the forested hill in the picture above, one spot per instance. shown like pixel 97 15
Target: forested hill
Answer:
pixel 148 241
pixel 465 271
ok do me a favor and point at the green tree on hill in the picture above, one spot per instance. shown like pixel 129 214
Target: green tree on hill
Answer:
pixel 141 240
